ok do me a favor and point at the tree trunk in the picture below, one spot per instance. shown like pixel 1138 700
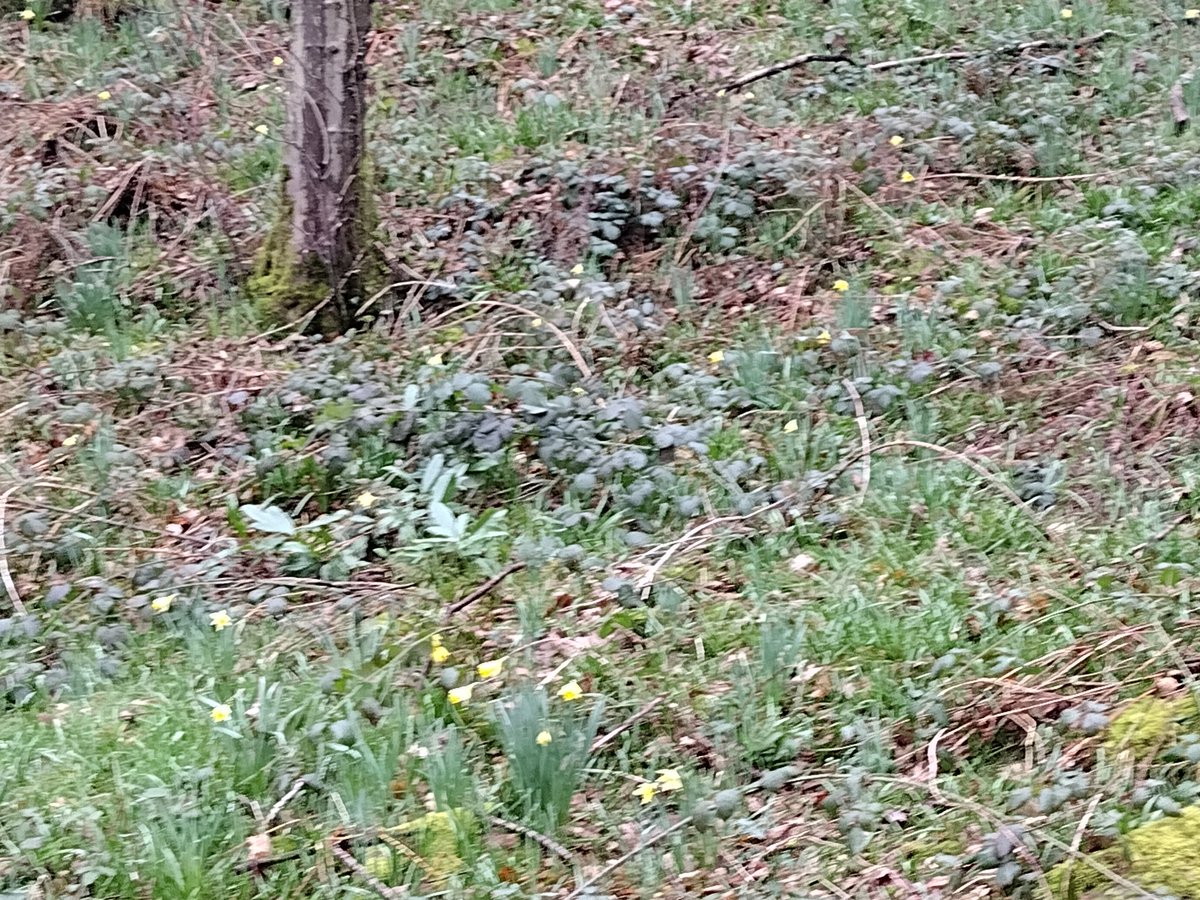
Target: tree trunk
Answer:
pixel 318 260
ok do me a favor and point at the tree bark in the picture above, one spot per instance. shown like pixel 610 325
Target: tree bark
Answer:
pixel 318 260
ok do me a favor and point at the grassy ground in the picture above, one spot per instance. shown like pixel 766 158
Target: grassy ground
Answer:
pixel 775 491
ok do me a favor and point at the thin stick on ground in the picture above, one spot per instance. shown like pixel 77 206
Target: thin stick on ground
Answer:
pixel 886 65
pixel 621 860
pixel 10 586
pixel 346 858
pixel 536 836
pixel 864 435
pixel 606 739
pixel 482 591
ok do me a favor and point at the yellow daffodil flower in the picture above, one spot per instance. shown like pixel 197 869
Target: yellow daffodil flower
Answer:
pixel 28 14
pixel 70 441
pixel 162 604
pixel 439 654
pixel 435 360
pixel 646 792
pixel 841 285
pixel 1191 13
pixel 577 269
pixel 906 177
pixel 570 691
pixel 490 669
pixel 543 738
pixel 896 140
pixel 791 426
pixel 824 338
pixel 366 499
pixel 716 357
pixel 104 95
pixel 220 713
pixel 261 129
pixel 220 620
pixel 277 61
pixel 668 780
pixel 1067 13
pixel 461 694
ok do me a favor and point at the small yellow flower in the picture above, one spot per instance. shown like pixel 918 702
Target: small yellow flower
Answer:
pixel 439 654
pixel 366 499
pixel 791 426
pixel 490 669
pixel 577 269
pixel 70 441
pixel 646 792
pixel 906 177
pixel 28 14
pixel 220 620
pixel 841 285
pixel 543 738
pixel 277 61
pixel 221 713
pixel 721 92
pixel 461 694
pixel 435 640
pixel 896 140
pixel 104 95
pixel 824 338
pixel 570 691
pixel 1191 13
pixel 668 780
pixel 261 129
pixel 162 604
pixel 435 360
pixel 536 323
pixel 716 357
pixel 1067 13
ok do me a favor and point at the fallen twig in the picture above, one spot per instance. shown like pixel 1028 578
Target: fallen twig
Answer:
pixel 885 65
pixel 10 587
pixel 606 739
pixel 346 858
pixel 864 434
pixel 482 591
pixel 621 860
pixel 537 837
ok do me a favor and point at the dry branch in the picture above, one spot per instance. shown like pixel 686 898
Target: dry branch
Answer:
pixel 804 59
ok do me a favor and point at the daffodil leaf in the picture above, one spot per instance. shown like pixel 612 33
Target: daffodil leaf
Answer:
pixel 270 519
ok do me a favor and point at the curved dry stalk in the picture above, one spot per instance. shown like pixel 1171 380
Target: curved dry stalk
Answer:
pixel 10 587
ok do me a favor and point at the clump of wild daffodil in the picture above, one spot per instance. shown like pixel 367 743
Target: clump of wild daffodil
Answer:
pixel 437 652
pixel 841 285
pixel 220 620
pixel 220 713
pixel 162 604
pixel 490 669
pixel 460 695
pixel 570 691
pixel 544 737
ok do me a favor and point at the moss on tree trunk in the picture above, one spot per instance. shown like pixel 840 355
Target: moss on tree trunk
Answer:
pixel 319 264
